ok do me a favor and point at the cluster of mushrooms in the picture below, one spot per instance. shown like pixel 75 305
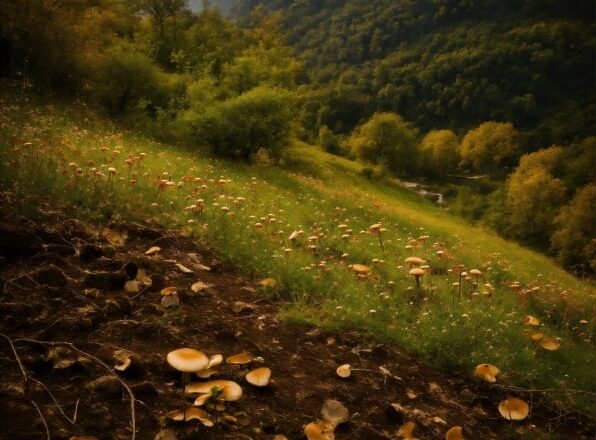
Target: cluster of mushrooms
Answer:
pixel 213 394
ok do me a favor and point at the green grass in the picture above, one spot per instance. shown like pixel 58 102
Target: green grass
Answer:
pixel 316 193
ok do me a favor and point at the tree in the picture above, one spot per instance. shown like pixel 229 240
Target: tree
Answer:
pixel 241 126
pixel 549 159
pixel 387 139
pixel 574 239
pixel 438 152
pixel 532 202
pixel 490 147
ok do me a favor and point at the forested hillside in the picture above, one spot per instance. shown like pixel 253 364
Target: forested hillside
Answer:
pixel 450 63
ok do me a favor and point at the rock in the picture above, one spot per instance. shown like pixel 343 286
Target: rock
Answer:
pixel 49 258
pixel 18 241
pixel 50 275
pixel 144 389
pixel 106 386
pixel 152 309
pixel 166 434
pixel 396 413
pixel 25 281
pixel 89 252
pixel 60 249
pixel 105 280
pixel 76 228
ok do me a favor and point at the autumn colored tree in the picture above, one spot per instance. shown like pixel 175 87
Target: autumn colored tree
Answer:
pixel 532 202
pixel 490 147
pixel 574 239
pixel 438 152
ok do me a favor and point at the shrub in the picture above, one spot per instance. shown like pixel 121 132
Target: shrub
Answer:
pixel 239 127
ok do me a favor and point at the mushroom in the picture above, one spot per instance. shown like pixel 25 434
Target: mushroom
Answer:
pixel 417 273
pixel 514 409
pixel 344 371
pixel 414 261
pixel 486 372
pixel 259 377
pixel 531 320
pixel 476 273
pixel 187 360
pixel 240 359
pixel 376 229
pixel 228 390
pixel 360 269
pixel 319 430
pixel 549 343
pixel 454 433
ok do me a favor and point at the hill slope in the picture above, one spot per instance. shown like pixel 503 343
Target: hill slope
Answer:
pixel 247 214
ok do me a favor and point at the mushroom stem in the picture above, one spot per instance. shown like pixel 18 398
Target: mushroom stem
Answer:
pixel 459 287
pixel 381 243
pixel 185 380
pixel 417 281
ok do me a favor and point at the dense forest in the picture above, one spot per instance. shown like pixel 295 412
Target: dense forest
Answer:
pixel 415 88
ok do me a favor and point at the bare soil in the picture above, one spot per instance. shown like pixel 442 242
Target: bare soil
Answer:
pixel 65 312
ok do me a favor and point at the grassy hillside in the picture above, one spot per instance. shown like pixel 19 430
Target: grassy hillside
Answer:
pixel 247 213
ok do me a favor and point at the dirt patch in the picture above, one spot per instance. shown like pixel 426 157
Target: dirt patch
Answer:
pixel 68 317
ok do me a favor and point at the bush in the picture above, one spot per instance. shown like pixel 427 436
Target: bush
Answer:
pixel 241 126
pixel 386 139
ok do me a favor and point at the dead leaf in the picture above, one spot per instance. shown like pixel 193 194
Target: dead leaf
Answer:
pixel 198 286
pixel 184 268
pixel 153 250
pixel 406 430
pixel 131 287
pixel 334 412
pixel 169 290
pixel 143 278
pixel 239 307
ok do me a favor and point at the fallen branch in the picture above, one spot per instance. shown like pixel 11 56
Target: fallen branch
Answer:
pixel 26 383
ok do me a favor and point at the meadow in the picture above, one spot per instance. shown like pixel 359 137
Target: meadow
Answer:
pixel 329 243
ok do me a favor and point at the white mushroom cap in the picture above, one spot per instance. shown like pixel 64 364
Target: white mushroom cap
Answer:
pixel 187 360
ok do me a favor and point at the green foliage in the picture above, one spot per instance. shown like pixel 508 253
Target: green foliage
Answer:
pixel 241 126
pixel 454 64
pixel 438 153
pixel 123 78
pixel 328 141
pixel 261 66
pixel 575 237
pixel 386 139
pixel 490 147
